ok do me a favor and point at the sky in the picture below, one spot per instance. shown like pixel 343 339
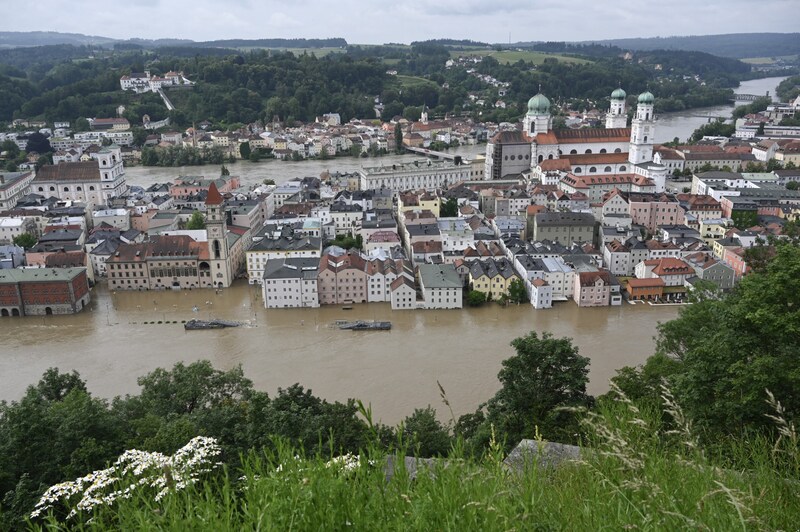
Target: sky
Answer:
pixel 403 21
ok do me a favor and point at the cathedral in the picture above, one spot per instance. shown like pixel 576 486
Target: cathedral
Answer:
pixel 588 154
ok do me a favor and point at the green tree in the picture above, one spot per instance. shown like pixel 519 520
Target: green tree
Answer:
pixel 38 143
pixel 244 150
pixel 223 171
pixel 449 208
pixel 197 221
pixel 398 139
pixel 269 181
pixel 517 292
pixel 425 435
pixel 476 298
pixel 792 185
pixel 729 351
pixel 25 240
pixel 539 385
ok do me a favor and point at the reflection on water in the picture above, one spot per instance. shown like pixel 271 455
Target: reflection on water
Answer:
pixel 111 345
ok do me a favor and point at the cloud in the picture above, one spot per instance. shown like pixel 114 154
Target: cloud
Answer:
pixel 378 21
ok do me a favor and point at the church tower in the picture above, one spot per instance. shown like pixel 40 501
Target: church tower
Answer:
pixel 538 119
pixel 217 229
pixel 617 116
pixel 642 130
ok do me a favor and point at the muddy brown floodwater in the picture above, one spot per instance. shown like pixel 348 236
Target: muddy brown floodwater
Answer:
pixel 396 371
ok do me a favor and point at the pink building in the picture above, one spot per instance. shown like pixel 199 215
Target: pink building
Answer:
pixel 655 210
pixel 592 289
pixel 342 279
pixel 184 187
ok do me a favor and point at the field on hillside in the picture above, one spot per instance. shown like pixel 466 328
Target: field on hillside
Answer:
pixel 512 56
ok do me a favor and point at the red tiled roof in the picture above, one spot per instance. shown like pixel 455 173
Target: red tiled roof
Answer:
pixel 214 197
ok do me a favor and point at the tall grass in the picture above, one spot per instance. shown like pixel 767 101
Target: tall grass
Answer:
pixel 632 475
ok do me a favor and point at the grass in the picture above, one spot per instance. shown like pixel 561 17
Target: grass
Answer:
pixel 768 60
pixel 406 82
pixel 512 56
pixel 637 475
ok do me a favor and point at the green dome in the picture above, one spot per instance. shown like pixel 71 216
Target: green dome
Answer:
pixel 618 94
pixel 646 97
pixel 539 105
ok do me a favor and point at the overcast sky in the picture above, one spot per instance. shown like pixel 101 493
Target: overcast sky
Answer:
pixel 382 21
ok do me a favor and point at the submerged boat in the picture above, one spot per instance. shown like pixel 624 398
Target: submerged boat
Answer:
pixel 362 325
pixel 195 325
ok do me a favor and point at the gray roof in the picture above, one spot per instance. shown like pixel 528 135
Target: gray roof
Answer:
pixel 43 275
pixel 293 268
pixel 564 218
pixel 439 276
pixel 287 244
pixel 492 268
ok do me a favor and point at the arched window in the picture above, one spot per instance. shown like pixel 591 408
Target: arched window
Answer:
pixel 91 187
pixel 647 116
pixel 588 151
pixel 573 152
pixel 618 150
pixel 216 249
pixel 602 150
pixel 41 189
pixel 66 189
pixel 541 158
pixel 78 189
pixel 645 138
pixel 622 168
pixel 52 189
pixel 550 156
pixel 592 169
pixel 607 169
pixel 578 170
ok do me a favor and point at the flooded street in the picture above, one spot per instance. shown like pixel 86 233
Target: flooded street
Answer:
pixel 396 371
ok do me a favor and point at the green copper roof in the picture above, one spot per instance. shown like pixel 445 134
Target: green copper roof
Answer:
pixel 618 94
pixel 646 97
pixel 539 105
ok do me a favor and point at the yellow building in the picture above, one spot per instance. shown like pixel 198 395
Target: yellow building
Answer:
pixel 493 277
pixel 419 201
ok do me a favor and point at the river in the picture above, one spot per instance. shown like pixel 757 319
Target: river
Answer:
pixel 396 371
pixel 682 124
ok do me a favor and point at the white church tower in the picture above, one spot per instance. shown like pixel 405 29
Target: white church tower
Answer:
pixel 642 130
pixel 216 229
pixel 538 119
pixel 617 116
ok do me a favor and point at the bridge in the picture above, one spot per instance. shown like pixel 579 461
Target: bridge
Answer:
pixel 435 154
pixel 749 97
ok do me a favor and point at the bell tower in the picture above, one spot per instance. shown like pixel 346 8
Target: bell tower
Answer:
pixel 216 230
pixel 643 130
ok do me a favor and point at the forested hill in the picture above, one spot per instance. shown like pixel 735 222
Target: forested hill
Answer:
pixel 14 39
pixel 735 45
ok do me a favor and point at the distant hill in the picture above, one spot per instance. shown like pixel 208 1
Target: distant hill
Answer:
pixel 19 39
pixel 734 45
pixel 13 39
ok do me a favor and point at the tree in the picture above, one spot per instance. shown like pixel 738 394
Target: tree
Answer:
pixel 449 208
pixel 398 139
pixel 269 181
pixel 425 435
pixel 476 298
pixel 517 292
pixel 546 377
pixel 729 351
pixel 760 130
pixel 197 221
pixel 38 143
pixel 792 185
pixel 244 150
pixel 223 171
pixel 25 241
